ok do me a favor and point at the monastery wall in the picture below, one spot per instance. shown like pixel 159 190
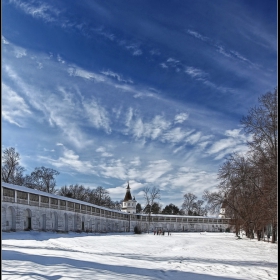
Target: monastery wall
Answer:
pixel 28 209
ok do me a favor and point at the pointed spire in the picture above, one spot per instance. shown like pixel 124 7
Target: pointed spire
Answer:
pixel 128 194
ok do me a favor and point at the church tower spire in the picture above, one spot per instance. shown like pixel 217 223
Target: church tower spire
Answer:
pixel 128 194
pixel 222 214
pixel 129 204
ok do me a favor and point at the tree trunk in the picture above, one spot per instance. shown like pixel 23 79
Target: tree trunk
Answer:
pixel 237 229
pixel 259 234
pixel 273 237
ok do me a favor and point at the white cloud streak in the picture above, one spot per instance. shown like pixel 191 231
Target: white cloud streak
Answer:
pixel 197 35
pixel 180 118
pixel 14 107
pixel 97 115
pixel 38 9
pixel 79 72
pixel 116 76
pixel 235 142
pixel 72 161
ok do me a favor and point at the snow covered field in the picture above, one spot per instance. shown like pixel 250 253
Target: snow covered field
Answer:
pixel 195 256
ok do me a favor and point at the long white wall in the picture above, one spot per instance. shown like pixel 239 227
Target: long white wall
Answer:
pixel 27 209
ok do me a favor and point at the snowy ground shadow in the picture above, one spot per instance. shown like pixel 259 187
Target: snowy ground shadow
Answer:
pixel 179 259
pixel 193 260
pixel 94 268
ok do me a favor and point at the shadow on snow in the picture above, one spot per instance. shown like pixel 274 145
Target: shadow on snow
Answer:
pixel 94 268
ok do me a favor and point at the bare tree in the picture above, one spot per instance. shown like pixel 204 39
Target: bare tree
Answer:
pixel 43 179
pixel 240 190
pixel 65 191
pixel 100 196
pixel 198 209
pixel 75 191
pixel 188 204
pixel 11 171
pixel 117 205
pixel 262 124
pixel 248 183
pixel 150 196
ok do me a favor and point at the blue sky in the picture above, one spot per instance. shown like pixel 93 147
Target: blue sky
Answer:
pixel 150 92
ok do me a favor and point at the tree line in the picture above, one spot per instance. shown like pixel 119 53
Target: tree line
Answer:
pixel 43 179
pixel 248 182
pixel 192 206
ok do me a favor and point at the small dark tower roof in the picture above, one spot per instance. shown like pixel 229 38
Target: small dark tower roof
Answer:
pixel 128 194
pixel 224 204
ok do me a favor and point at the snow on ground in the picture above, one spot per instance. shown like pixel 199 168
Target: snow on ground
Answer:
pixel 195 256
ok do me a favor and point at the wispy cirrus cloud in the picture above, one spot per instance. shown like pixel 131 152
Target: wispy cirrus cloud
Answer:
pixel 56 112
pixel 135 49
pixel 101 31
pixel 161 129
pixel 19 52
pixel 192 179
pixel 14 107
pixel 50 14
pixel 155 170
pixel 66 119
pixel 63 109
pixel 38 9
pixel 103 152
pixel 175 135
pixel 59 59
pixel 151 173
pixel 195 72
pixel 116 76
pixel 234 141
pixel 5 41
pixel 137 91
pixel 97 115
pixel 70 160
pixel 140 129
pixel 220 48
pixel 47 150
pixel 218 87
pixel 114 168
pixel 25 88
pixel 180 118
pixel 79 72
pixel 197 35
pixel 203 77
pixel 172 63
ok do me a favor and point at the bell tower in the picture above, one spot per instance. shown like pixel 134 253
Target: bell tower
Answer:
pixel 222 214
pixel 129 203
